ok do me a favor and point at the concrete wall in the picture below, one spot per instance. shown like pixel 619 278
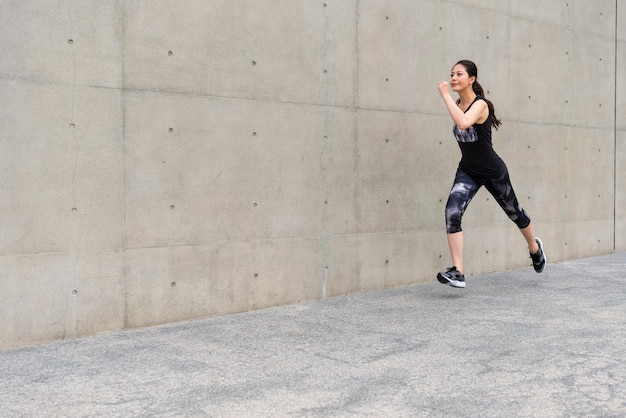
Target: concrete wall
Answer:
pixel 167 160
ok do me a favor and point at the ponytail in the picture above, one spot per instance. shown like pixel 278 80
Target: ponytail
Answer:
pixel 472 71
pixel 478 89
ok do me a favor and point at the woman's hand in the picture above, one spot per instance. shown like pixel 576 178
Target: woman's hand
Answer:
pixel 479 111
pixel 443 88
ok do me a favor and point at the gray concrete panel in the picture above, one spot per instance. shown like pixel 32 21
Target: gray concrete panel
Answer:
pixel 620 133
pixel 235 169
pixel 47 297
pixel 392 259
pixel 400 165
pixel 554 13
pixel 597 17
pixel 289 51
pixel 480 35
pixel 341 268
pixel 620 88
pixel 591 103
pixel 493 5
pixel 168 284
pixel 62 182
pixel 559 90
pixel 620 30
pixel 63 42
pixel 401 44
pixel 539 86
pixel 620 196
pixel 590 191
pixel 590 237
pixel 415 44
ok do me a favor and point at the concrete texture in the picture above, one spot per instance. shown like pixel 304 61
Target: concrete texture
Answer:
pixel 170 160
pixel 510 344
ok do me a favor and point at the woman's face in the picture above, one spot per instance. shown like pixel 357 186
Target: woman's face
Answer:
pixel 459 79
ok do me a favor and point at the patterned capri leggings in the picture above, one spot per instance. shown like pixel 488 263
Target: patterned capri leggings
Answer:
pixel 464 189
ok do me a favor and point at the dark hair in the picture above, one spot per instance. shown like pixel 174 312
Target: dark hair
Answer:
pixel 472 71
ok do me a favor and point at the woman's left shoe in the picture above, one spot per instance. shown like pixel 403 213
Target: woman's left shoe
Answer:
pixel 539 258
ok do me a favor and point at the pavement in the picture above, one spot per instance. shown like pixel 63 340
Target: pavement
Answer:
pixel 512 343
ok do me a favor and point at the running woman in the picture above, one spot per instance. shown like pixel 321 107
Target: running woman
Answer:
pixel 474 116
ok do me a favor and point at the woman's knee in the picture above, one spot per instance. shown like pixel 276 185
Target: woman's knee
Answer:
pixel 454 215
pixel 521 219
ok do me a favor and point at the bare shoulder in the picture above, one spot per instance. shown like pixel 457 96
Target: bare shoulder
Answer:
pixel 483 110
pixel 481 102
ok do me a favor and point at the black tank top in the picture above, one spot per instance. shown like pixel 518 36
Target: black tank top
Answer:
pixel 479 159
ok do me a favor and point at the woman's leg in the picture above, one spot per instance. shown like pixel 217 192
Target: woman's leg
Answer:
pixel 455 242
pixel 529 236
pixel 502 190
pixel 462 192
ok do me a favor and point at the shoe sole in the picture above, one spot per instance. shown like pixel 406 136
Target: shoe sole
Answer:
pixel 453 283
pixel 545 259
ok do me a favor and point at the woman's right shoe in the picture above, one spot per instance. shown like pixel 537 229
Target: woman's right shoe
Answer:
pixel 452 276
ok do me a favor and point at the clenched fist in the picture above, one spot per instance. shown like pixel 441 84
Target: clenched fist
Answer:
pixel 443 88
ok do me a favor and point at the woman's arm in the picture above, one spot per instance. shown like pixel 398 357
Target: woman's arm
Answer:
pixel 477 113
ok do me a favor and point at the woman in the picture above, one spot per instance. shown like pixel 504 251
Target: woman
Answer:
pixel 474 116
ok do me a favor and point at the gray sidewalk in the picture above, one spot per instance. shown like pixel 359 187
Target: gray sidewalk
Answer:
pixel 510 344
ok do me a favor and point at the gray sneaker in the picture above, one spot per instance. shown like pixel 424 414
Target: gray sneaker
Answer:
pixel 539 258
pixel 452 276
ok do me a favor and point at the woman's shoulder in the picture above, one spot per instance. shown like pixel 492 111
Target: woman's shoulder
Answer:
pixel 482 102
pixel 480 99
